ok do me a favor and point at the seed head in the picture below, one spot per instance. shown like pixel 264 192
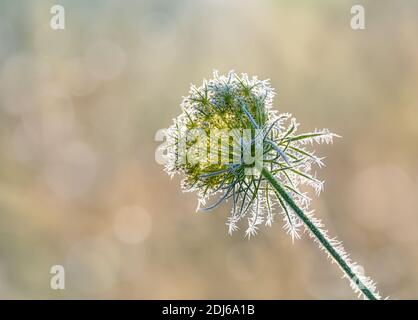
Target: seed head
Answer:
pixel 227 132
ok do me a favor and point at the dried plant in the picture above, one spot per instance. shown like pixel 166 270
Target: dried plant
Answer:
pixel 232 146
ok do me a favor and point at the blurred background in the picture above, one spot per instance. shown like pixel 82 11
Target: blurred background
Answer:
pixel 79 109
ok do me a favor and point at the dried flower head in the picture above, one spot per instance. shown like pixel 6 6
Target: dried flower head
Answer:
pixel 231 145
pixel 227 132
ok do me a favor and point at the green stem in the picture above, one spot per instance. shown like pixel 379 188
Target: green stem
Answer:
pixel 319 235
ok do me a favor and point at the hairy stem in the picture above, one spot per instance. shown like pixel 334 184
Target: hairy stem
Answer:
pixel 345 265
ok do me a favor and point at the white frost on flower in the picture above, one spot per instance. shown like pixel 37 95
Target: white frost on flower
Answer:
pixel 233 101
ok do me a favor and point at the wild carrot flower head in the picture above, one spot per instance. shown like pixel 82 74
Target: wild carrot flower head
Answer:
pixel 227 132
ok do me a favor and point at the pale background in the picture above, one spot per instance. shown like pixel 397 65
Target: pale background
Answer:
pixel 79 109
